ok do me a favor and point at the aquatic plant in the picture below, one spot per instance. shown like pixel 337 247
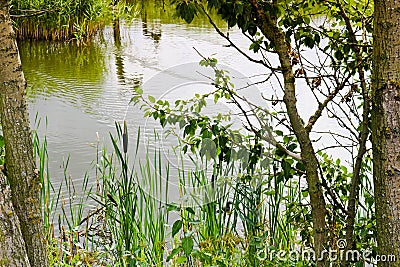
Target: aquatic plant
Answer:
pixel 60 20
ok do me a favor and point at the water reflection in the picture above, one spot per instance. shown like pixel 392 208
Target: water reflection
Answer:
pixel 119 63
pixel 84 90
pixel 73 73
pixel 151 29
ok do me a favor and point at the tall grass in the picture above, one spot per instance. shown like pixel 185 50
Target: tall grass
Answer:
pixel 134 212
pixel 68 20
pixel 58 20
pixel 236 211
pixel 49 203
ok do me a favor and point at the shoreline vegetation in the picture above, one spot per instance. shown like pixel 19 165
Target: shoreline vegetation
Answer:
pixel 58 20
pixel 80 20
pixel 234 220
pixel 247 211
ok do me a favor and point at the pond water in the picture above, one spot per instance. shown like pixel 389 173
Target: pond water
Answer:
pixel 80 92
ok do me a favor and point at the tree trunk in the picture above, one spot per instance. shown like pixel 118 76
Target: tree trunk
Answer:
pixel 22 175
pixel 267 25
pixel 12 245
pixel 386 127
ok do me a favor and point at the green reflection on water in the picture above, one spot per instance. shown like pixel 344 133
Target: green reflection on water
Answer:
pixel 77 73
pixel 62 67
pixel 164 12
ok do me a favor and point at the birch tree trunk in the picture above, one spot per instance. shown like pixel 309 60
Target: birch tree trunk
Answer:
pixel 22 175
pixel 12 245
pixel 386 127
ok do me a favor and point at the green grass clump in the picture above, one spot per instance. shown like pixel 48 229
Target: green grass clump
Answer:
pixel 237 216
pixel 58 20
pixel 131 224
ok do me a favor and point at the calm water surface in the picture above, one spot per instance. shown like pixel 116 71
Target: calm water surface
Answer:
pixel 81 91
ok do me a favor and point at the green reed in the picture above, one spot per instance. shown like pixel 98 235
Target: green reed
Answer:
pixel 49 203
pixel 58 20
pixel 233 212
pixel 135 213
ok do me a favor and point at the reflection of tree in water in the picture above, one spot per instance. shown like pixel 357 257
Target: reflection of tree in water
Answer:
pixel 117 32
pixel 137 79
pixel 151 29
pixel 119 61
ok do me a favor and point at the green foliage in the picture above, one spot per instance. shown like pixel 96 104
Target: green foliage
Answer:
pixel 299 22
pixel 339 33
pixel 186 10
pixel 263 186
pixel 59 20
pixel 81 20
pixel 131 226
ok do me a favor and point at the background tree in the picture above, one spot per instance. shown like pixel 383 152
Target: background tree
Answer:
pixel 21 172
pixel 386 127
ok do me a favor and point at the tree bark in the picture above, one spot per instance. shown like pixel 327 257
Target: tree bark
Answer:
pixel 12 245
pixel 386 127
pixel 22 174
pixel 268 26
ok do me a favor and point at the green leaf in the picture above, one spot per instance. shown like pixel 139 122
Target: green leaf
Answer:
pixel 190 210
pixel 338 55
pixel 176 227
pixel 173 253
pixel 252 29
pixel 216 97
pixel 182 124
pixel 173 207
pixel 309 42
pixel 208 149
pixel 180 260
pixel 187 245
pixel 255 46
pixel 317 38
pixel 138 90
pixel 286 168
pixel 152 99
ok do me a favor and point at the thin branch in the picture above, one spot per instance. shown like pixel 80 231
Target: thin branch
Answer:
pixel 232 43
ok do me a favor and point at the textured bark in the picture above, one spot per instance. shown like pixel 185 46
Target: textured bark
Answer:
pixel 12 245
pixel 386 127
pixel 22 175
pixel 363 137
pixel 268 26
